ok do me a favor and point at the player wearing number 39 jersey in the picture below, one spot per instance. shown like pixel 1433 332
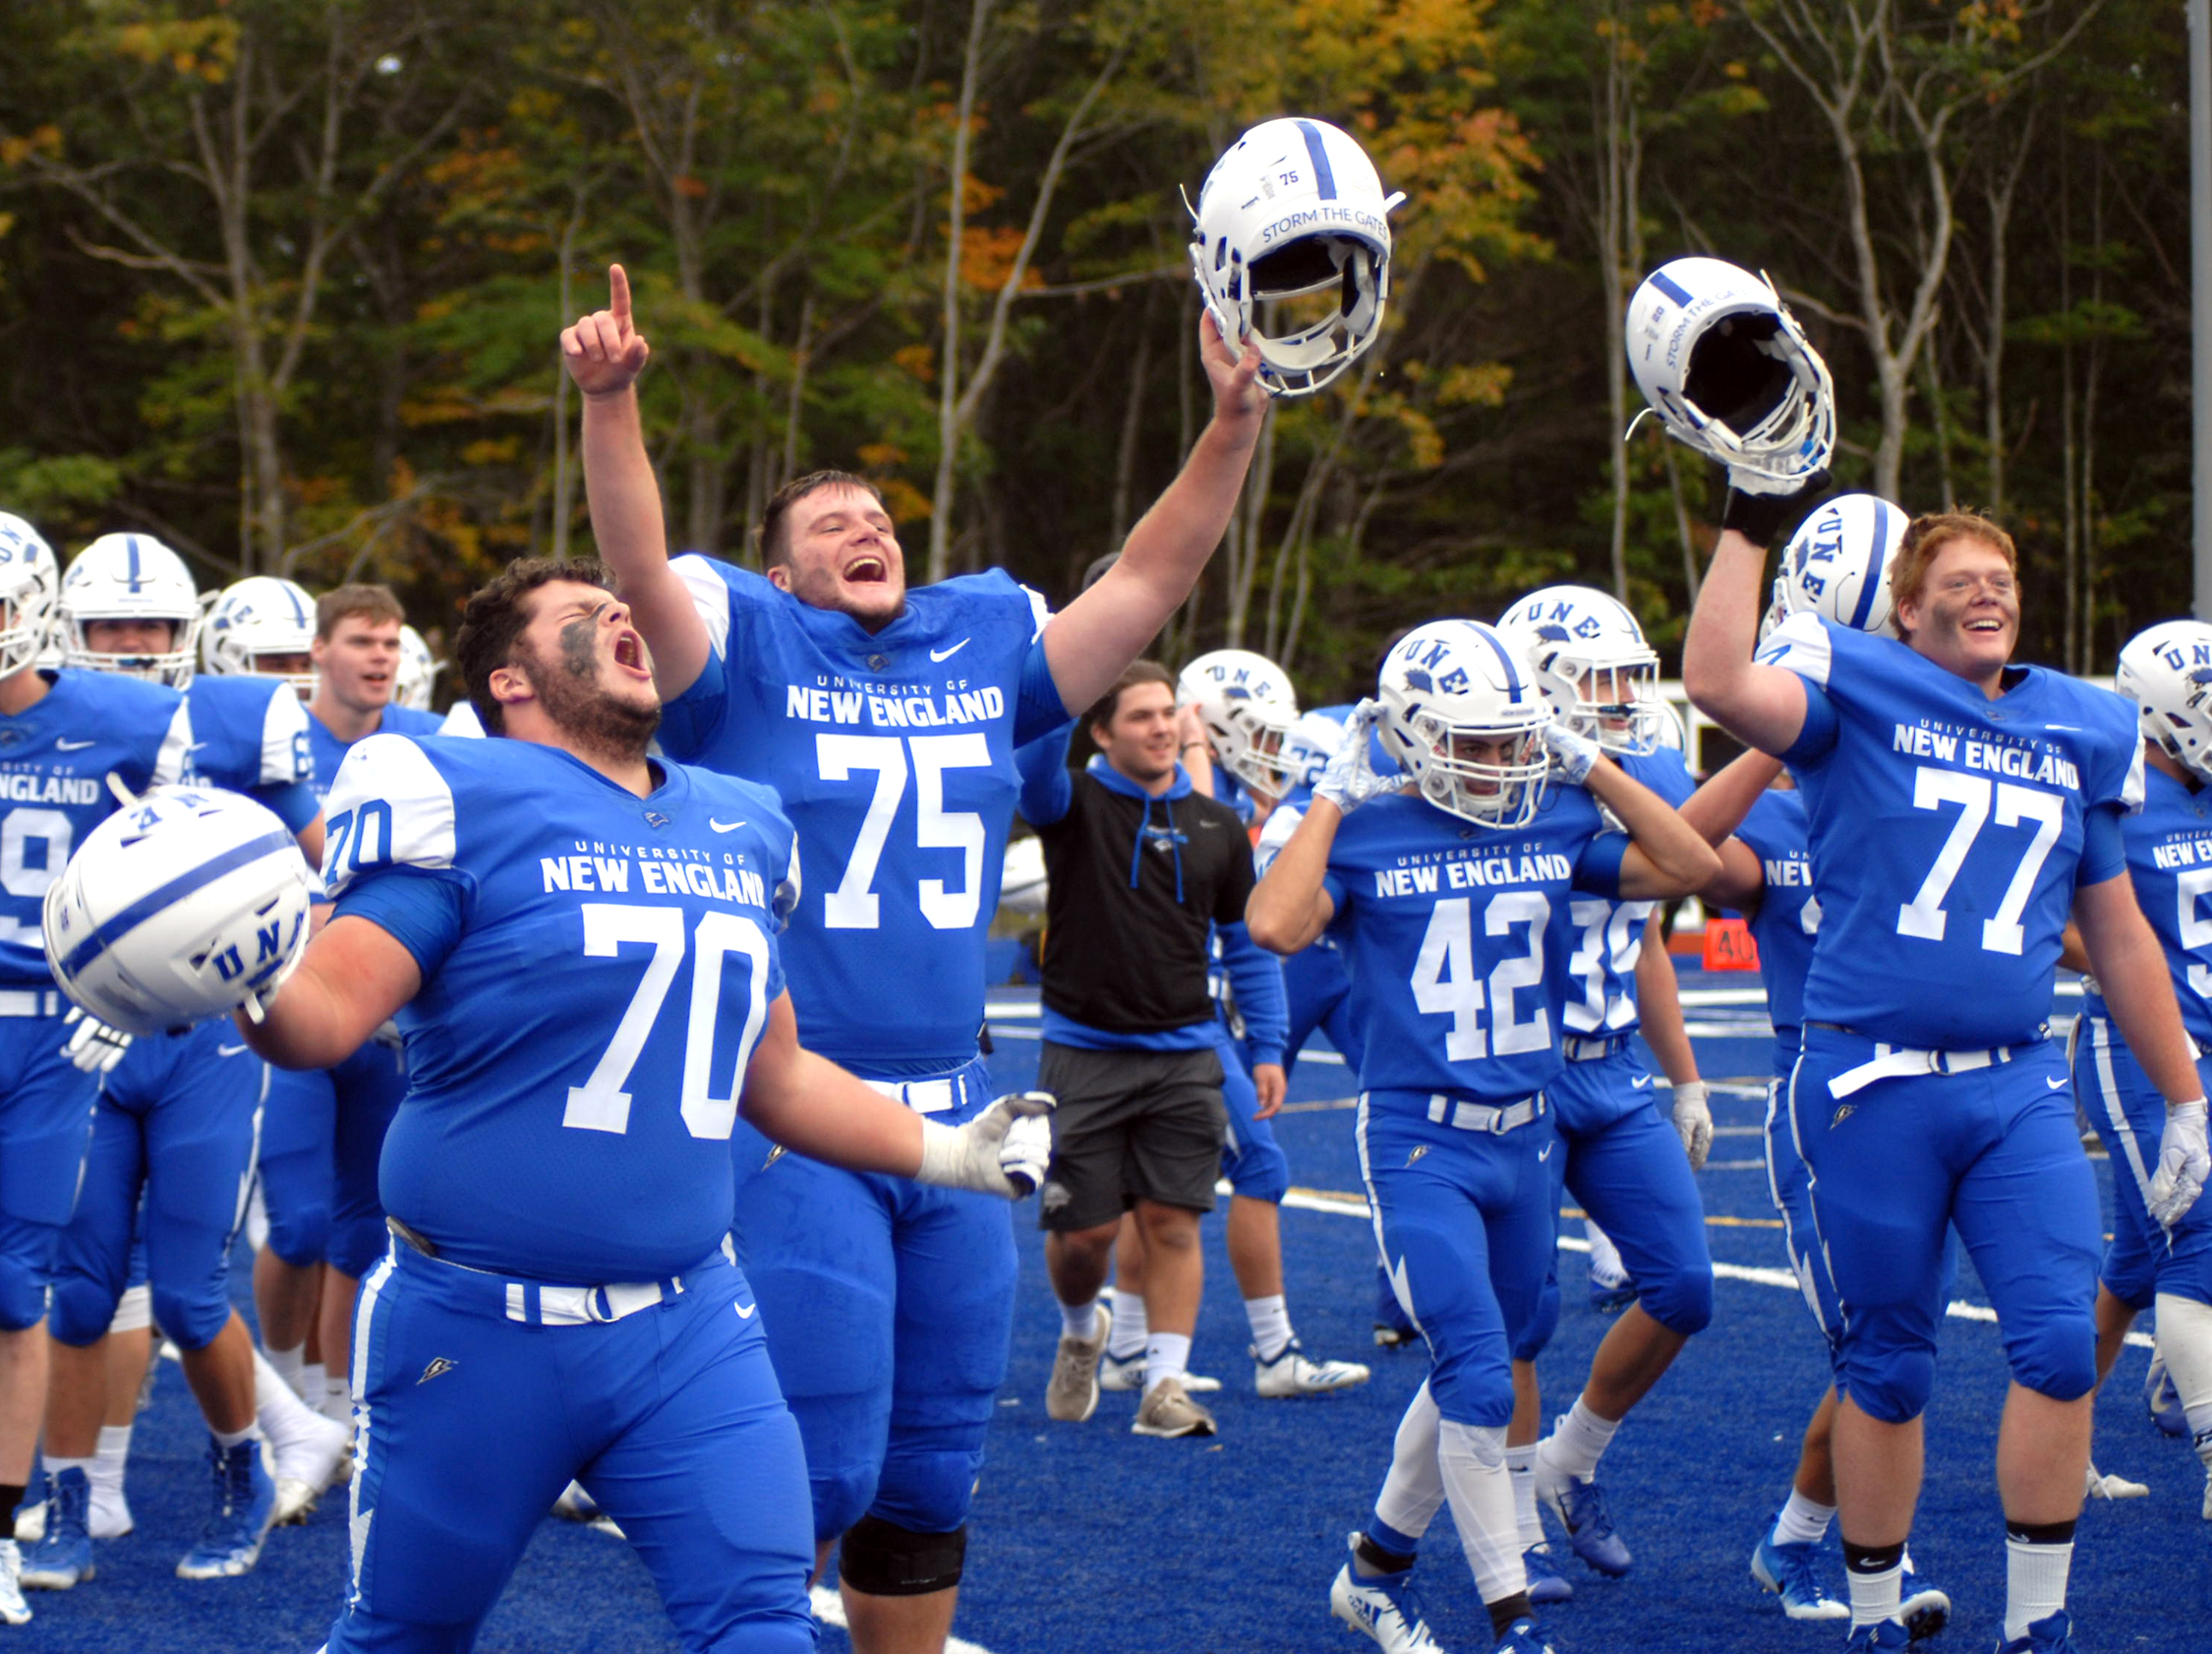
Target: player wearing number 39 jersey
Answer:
pixel 579 946
pixel 1958 809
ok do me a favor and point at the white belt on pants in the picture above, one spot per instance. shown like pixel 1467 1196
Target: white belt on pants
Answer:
pixel 923 1096
pixel 32 1002
pixel 1484 1117
pixel 1891 1062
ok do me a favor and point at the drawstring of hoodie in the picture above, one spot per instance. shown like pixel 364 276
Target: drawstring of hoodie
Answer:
pixel 1175 846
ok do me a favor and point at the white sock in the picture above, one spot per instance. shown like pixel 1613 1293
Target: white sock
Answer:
pixel 114 1450
pixel 1480 1491
pixel 1126 1342
pixel 1080 1320
pixel 1576 1443
pixel 1271 1326
pixel 1874 1597
pixel 1167 1355
pixel 337 1400
pixel 1802 1521
pixel 282 1414
pixel 311 1383
pixel 229 1439
pixel 1414 1490
pixel 288 1364
pixel 2035 1584
pixel 1520 1463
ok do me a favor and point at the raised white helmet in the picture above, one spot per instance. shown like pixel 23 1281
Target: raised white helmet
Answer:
pixel 1308 745
pixel 418 671
pixel 1590 639
pixel 1451 682
pixel 28 583
pixel 1247 705
pixel 2166 669
pixel 177 908
pixel 259 616
pixel 1293 208
pixel 130 577
pixel 1837 565
pixel 1729 372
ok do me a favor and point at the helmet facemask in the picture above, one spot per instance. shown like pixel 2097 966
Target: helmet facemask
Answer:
pixel 1498 791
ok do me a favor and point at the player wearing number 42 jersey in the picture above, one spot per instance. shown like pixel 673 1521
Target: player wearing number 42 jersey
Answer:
pixel 886 719
pixel 1958 808
pixel 560 1300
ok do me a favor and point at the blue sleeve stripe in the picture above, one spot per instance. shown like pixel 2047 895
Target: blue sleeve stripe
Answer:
pixel 183 885
pixel 1872 578
pixel 1324 180
pixel 1672 289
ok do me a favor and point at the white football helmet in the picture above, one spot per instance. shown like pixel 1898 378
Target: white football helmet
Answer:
pixel 1591 640
pixel 418 671
pixel 1837 565
pixel 259 616
pixel 1247 706
pixel 1451 684
pixel 178 908
pixel 1308 745
pixel 2166 669
pixel 130 577
pixel 1295 207
pixel 28 583
pixel 1729 372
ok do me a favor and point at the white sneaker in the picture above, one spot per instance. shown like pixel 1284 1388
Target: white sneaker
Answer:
pixel 31 1521
pixel 1290 1372
pixel 309 1456
pixel 13 1611
pixel 1072 1393
pixel 1119 1374
pixel 1384 1609
pixel 1168 1411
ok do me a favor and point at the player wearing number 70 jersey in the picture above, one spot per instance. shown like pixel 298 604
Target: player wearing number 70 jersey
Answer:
pixel 1452 908
pixel 1959 808
pixel 589 985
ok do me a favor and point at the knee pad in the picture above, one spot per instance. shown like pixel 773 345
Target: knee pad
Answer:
pixel 192 1318
pixel 929 1486
pixel 27 1265
pixel 81 1311
pixel 2058 1359
pixel 1533 1338
pixel 1893 1389
pixel 299 1210
pixel 884 1560
pixel 1258 1170
pixel 134 1311
pixel 356 1244
pixel 1681 1303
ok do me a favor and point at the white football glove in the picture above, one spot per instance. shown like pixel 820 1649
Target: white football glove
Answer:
pixel 1349 780
pixel 95 1048
pixel 976 1156
pixel 1573 756
pixel 1693 1122
pixel 1026 1151
pixel 2183 1164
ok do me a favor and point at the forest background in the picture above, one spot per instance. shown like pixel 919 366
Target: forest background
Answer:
pixel 281 281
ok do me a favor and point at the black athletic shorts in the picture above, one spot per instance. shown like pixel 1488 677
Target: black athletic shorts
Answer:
pixel 1130 1126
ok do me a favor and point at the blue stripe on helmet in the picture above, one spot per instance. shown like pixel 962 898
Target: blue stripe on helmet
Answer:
pixel 146 906
pixel 1671 287
pixel 1873 575
pixel 131 552
pixel 1324 180
pixel 1504 652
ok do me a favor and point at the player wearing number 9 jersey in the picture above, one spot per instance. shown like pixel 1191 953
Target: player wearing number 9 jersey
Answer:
pixel 586 986
pixel 1958 808
pixel 1452 908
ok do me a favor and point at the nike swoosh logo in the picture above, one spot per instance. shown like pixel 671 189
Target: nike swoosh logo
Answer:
pixel 744 1311
pixel 1547 1155
pixel 1640 1082
pixel 231 1050
pixel 2056 1085
pixel 725 827
pixel 71 745
pixel 948 654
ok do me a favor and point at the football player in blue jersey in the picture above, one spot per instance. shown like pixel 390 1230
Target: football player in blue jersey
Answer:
pixel 62 733
pixel 2167 672
pixel 1628 1165
pixel 177 1114
pixel 559 1299
pixel 1453 903
pixel 1959 808
pixel 887 718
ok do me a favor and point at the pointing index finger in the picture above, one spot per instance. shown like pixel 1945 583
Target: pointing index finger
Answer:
pixel 618 296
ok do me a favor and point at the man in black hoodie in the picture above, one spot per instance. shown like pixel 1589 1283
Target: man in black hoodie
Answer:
pixel 1140 870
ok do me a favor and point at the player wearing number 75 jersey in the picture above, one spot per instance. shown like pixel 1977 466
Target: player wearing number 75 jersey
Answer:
pixel 1451 903
pixel 1959 808
pixel 579 946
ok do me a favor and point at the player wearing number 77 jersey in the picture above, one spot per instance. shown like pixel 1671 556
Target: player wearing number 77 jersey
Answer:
pixel 1452 908
pixel 1958 808
pixel 886 719
pixel 588 986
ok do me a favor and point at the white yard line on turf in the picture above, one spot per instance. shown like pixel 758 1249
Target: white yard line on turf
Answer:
pixel 829 1607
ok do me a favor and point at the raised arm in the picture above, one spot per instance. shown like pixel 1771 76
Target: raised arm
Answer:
pixel 1716 810
pixel 1668 858
pixel 1090 641
pixel 605 353
pixel 1289 908
pixel 354 975
pixel 1763 706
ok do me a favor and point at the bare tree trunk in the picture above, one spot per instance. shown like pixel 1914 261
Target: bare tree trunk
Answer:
pixel 2000 194
pixel 1619 251
pixel 1132 422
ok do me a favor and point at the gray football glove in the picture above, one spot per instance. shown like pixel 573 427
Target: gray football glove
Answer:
pixel 95 1048
pixel 1693 1122
pixel 978 1156
pixel 1349 778
pixel 1573 756
pixel 2183 1164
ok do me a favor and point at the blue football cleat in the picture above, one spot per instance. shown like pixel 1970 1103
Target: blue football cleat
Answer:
pixel 63 1556
pixel 2054 1635
pixel 1924 1610
pixel 245 1505
pixel 1881 1635
pixel 1581 1509
pixel 2164 1401
pixel 1792 1573
pixel 1383 1608
pixel 1526 1636
pixel 1546 1584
